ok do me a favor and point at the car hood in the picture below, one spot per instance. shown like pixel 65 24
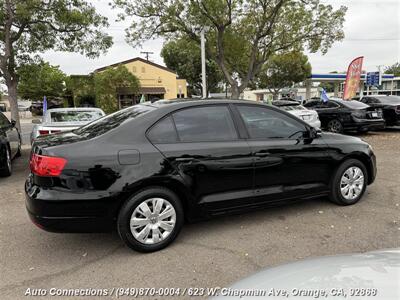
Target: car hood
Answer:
pixel 373 270
pixel 330 137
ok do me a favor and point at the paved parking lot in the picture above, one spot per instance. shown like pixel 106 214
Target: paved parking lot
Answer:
pixel 207 254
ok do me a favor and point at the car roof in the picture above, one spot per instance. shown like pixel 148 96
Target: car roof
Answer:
pixel 189 101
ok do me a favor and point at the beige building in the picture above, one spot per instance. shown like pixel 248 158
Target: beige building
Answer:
pixel 156 82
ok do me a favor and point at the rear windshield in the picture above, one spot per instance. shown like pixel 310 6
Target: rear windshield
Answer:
pixel 75 116
pixel 107 123
pixel 354 104
pixel 389 99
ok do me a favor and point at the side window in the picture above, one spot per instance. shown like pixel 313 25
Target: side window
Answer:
pixel 311 104
pixel 163 132
pixel 331 104
pixel 365 100
pixel 4 121
pixel 200 124
pixel 269 124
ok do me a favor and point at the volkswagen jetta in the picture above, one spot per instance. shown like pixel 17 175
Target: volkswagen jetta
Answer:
pixel 148 168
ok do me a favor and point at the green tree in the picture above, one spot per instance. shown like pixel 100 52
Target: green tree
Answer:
pixel 241 34
pixel 107 83
pixel 39 80
pixel 80 89
pixel 284 70
pixel 183 55
pixel 32 26
pixel 393 69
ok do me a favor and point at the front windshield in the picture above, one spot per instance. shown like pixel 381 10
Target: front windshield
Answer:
pixel 107 123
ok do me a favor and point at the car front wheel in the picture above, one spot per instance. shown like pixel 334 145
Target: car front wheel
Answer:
pixel 335 126
pixel 349 182
pixel 150 220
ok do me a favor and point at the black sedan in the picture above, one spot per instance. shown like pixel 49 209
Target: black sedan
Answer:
pixel 390 105
pixel 147 168
pixel 10 144
pixel 339 116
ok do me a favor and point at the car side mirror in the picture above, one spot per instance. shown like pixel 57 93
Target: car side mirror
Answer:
pixel 36 121
pixel 311 133
pixel 13 123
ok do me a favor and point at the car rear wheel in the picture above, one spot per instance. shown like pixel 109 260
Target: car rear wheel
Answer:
pixel 150 220
pixel 349 182
pixel 7 170
pixel 335 126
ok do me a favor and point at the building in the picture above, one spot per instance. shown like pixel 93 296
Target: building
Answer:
pixel 266 95
pixel 156 82
pixel 390 84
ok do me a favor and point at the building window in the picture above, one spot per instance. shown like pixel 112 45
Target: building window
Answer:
pixel 134 69
pixel 143 70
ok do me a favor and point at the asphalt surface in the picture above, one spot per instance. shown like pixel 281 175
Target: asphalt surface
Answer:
pixel 208 254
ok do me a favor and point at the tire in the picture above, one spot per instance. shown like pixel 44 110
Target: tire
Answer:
pixel 148 233
pixel 335 126
pixel 362 130
pixel 18 154
pixel 355 192
pixel 7 170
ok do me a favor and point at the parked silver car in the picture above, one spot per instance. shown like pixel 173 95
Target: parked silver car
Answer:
pixel 371 275
pixel 64 119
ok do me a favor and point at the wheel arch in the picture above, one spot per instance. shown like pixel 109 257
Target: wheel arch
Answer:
pixel 173 184
pixel 365 159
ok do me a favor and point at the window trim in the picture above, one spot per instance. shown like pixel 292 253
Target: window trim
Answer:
pixel 249 138
pixel 179 141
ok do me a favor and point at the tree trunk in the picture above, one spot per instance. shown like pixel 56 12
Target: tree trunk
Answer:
pixel 235 92
pixel 12 96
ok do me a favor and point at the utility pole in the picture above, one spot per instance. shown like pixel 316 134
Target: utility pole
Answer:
pixel 147 53
pixel 203 63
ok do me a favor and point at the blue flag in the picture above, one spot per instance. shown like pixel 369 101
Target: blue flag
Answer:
pixel 324 96
pixel 44 105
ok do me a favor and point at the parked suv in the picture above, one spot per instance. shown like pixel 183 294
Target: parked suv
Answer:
pixel 147 168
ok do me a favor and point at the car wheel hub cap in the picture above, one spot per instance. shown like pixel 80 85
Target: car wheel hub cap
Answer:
pixel 352 183
pixel 8 160
pixel 152 221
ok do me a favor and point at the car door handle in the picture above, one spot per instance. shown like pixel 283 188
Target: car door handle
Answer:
pixel 261 153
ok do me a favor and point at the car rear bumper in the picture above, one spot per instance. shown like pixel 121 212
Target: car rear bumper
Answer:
pixel 366 124
pixel 49 211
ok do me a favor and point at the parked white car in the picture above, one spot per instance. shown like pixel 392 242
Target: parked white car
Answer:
pixel 371 275
pixel 64 119
pixel 307 115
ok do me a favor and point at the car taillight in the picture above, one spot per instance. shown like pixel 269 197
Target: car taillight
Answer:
pixel 44 132
pixel 47 165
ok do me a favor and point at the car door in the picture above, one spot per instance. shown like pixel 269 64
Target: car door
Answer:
pixel 208 153
pixel 287 165
pixel 11 133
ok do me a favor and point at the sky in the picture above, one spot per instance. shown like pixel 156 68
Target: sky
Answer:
pixel 372 30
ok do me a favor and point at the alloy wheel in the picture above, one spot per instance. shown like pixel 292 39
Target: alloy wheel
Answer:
pixel 335 126
pixel 352 183
pixel 152 221
pixel 8 159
